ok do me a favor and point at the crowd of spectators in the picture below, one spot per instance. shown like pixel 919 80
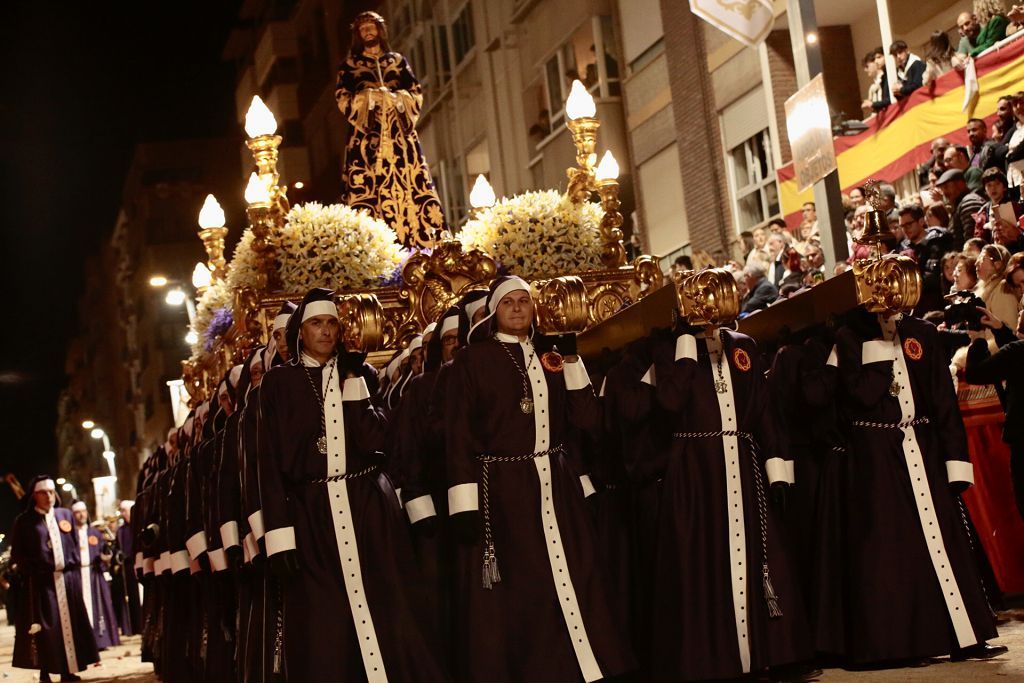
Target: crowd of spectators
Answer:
pixel 963 227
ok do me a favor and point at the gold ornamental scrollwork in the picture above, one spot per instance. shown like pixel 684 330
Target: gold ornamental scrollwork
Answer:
pixel 362 322
pixel 561 305
pixel 708 297
pixel 887 285
pixel 434 281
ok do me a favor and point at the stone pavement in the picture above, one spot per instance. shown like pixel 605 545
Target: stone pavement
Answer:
pixel 122 663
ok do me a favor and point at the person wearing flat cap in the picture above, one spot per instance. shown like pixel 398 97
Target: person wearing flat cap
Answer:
pixel 96 556
pixel 527 568
pixel 54 634
pixel 953 185
pixel 335 534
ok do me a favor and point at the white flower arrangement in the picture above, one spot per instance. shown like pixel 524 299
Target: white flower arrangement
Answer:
pixel 538 234
pixel 334 246
pixel 331 246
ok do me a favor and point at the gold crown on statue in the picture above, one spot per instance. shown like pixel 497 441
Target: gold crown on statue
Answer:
pixel 561 305
pixel 708 297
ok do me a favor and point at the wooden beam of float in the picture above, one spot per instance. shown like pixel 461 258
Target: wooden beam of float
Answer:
pixel 832 297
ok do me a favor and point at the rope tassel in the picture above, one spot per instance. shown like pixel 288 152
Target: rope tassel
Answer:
pixel 774 611
pixel 489 572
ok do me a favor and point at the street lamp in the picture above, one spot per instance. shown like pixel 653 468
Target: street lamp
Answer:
pixel 108 453
pixel 176 296
pixel 158 281
pixel 88 424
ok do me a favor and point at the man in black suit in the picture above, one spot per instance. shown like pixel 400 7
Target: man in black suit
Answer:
pixel 760 291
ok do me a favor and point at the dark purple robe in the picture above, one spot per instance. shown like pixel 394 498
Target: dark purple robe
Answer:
pixel 550 617
pixel 347 610
pixel 66 643
pixel 104 620
pixel 125 586
pixel 710 616
pixel 912 585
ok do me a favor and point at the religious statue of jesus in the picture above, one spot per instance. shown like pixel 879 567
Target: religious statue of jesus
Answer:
pixel 385 171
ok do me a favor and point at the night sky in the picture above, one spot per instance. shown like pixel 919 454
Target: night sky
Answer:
pixel 82 83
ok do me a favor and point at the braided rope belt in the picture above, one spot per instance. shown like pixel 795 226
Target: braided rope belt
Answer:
pixel 959 501
pixel 892 425
pixel 348 475
pixel 491 575
pixel 770 597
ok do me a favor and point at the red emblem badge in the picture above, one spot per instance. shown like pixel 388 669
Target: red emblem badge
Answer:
pixel 741 360
pixel 913 348
pixel 93 540
pixel 65 526
pixel 552 361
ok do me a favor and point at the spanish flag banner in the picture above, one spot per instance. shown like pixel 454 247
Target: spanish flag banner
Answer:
pixel 899 137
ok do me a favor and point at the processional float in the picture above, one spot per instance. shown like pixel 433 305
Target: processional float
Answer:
pixel 610 302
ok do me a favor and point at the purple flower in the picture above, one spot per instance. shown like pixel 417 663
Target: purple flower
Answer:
pixel 220 323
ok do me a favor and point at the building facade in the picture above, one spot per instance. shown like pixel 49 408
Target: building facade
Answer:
pixel 131 342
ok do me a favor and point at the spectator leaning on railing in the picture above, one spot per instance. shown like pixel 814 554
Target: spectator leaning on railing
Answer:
pixel 909 69
pixel 878 92
pixel 979 30
pixel 938 56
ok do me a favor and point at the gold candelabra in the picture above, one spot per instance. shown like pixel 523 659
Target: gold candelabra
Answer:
pixel 267 200
pixel 213 241
pixel 585 179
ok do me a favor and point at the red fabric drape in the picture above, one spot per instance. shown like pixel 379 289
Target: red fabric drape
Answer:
pixel 990 501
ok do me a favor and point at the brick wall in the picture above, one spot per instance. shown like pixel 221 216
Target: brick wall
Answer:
pixel 696 122
pixel 783 75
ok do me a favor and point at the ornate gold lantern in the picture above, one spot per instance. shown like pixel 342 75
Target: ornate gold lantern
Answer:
pixel 561 305
pixel 709 297
pixel 887 285
pixel 362 322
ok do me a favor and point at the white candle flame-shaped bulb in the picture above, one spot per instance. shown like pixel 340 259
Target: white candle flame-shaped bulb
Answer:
pixel 580 104
pixel 211 215
pixel 259 120
pixel 482 194
pixel 257 192
pixel 608 169
pixel 201 276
